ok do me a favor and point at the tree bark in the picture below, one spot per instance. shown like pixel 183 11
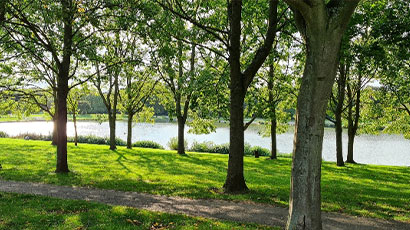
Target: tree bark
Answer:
pixel 113 114
pixel 62 165
pixel 350 145
pixel 273 136
pixel 318 77
pixel 341 85
pixel 322 26
pixel 63 89
pixel 272 112
pixel 129 134
pixel 353 120
pixel 235 180
pixel 339 139
pixel 54 134
pixel 111 121
pixel 181 138
pixel 75 128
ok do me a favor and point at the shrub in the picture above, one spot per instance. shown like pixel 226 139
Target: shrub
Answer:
pixel 262 151
pixel 210 147
pixel 222 149
pixel 247 150
pixel 173 143
pixel 33 136
pixel 202 147
pixel 148 144
pixel 3 134
pixel 91 139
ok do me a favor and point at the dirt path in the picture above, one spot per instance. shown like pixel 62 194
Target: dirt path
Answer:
pixel 217 209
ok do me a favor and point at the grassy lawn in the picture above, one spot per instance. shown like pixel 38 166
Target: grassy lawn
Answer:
pixel 33 212
pixel 364 190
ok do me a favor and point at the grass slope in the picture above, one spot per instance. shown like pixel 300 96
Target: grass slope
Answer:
pixel 364 190
pixel 33 212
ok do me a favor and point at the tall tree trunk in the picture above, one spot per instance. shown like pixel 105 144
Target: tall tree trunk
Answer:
pixel 54 134
pixel 272 108
pixel 350 144
pixel 273 135
pixel 129 133
pixel 181 138
pixel 353 120
pixel 341 85
pixel 63 89
pixel 322 26
pixel 75 128
pixel 113 114
pixel 62 165
pixel 317 81
pixel 339 139
pixel 111 121
pixel 235 180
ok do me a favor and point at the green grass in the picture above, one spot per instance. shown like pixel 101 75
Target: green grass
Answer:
pixel 33 212
pixel 363 190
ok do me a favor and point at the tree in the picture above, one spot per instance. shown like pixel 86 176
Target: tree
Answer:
pixel 139 88
pixel 273 96
pixel 322 25
pixel 110 94
pixel 181 86
pixel 54 33
pixel 73 100
pixel 337 106
pixel 392 30
pixel 243 63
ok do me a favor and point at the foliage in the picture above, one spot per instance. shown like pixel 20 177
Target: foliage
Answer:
pixel 145 115
pixel 261 151
pixel 173 143
pixel 200 125
pixel 222 148
pixel 147 144
pixel 204 147
pixel 3 134
pixel 210 147
pixel 33 136
pixel 349 189
pixel 91 139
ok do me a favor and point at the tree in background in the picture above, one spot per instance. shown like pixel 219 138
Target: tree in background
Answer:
pixel 223 25
pixel 273 97
pixel 56 34
pixel 392 30
pixel 75 97
pixel 139 89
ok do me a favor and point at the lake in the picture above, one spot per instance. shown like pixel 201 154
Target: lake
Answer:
pixel 369 149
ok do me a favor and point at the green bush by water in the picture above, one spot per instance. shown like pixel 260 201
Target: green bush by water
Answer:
pixel 147 144
pixel 210 147
pixel 3 134
pixel 173 143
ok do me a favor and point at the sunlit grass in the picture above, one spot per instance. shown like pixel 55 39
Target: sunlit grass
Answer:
pixel 365 190
pixel 32 212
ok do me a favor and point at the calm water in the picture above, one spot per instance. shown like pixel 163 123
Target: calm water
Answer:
pixel 369 149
